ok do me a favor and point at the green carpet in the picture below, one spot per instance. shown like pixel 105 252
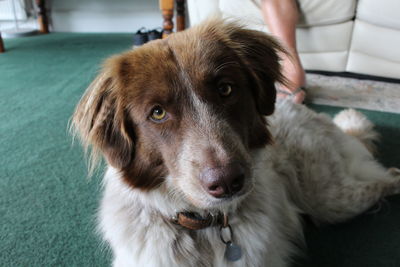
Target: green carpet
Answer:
pixel 48 207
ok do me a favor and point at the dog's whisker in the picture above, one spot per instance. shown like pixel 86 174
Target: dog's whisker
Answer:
pixel 226 65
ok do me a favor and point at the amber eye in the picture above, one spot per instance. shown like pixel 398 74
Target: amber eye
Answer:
pixel 158 114
pixel 225 89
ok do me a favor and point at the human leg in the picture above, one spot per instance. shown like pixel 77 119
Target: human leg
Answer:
pixel 281 17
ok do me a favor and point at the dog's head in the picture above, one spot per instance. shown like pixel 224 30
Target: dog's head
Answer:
pixel 185 112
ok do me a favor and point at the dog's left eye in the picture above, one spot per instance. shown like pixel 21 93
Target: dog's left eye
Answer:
pixel 158 114
pixel 225 89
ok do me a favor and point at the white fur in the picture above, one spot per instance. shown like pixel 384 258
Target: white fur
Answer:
pixel 356 124
pixel 312 168
pixel 350 119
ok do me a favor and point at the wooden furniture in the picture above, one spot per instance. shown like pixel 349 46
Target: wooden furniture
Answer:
pixel 1 45
pixel 167 10
pixel 42 16
pixel 42 20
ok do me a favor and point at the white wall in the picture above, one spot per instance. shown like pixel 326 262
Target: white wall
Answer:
pixel 104 15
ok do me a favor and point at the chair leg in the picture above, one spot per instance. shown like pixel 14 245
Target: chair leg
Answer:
pixel 167 9
pixel 180 18
pixel 2 50
pixel 42 16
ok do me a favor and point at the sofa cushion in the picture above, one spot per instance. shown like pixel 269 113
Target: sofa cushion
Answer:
pixel 313 12
pixel 329 38
pixel 374 50
pixel 384 13
pixel 199 10
pixel 324 47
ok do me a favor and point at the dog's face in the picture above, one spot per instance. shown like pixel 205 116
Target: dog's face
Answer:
pixel 185 112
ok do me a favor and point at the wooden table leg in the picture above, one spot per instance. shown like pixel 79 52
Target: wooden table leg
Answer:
pixel 1 45
pixel 167 9
pixel 180 18
pixel 42 16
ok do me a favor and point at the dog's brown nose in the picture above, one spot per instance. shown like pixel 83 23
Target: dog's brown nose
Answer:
pixel 223 181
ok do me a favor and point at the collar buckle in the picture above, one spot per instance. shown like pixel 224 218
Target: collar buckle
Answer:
pixel 194 221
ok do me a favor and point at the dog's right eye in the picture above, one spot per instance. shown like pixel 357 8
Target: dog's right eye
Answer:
pixel 158 114
pixel 225 89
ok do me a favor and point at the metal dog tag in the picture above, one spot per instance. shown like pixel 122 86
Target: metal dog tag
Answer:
pixel 232 252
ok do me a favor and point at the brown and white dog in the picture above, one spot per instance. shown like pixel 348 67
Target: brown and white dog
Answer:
pixel 181 123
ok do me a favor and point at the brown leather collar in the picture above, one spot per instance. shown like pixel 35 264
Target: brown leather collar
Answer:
pixel 194 221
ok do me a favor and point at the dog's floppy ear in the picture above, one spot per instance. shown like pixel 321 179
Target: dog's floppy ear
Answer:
pixel 102 123
pixel 259 53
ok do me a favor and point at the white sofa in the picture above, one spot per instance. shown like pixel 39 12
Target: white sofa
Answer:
pixel 333 35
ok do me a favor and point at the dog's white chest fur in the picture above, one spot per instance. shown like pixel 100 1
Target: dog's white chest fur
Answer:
pixel 137 226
